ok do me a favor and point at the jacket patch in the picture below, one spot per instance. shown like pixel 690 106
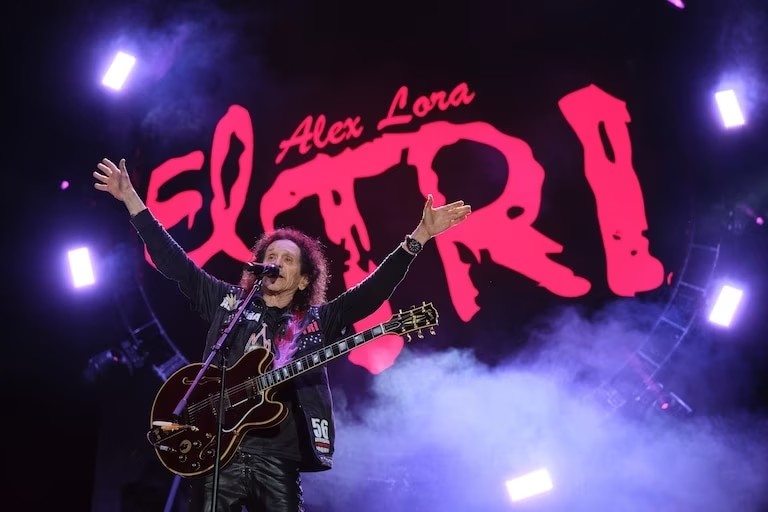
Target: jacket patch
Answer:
pixel 320 430
pixel 253 316
pixel 312 327
pixel 258 339
pixel 230 302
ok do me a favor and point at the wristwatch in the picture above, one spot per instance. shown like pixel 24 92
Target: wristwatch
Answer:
pixel 413 245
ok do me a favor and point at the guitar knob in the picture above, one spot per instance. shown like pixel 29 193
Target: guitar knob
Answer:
pixel 196 444
pixel 182 458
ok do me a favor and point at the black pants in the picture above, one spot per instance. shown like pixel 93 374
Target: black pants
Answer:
pixel 261 484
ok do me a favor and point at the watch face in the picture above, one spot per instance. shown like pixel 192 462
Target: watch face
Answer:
pixel 413 245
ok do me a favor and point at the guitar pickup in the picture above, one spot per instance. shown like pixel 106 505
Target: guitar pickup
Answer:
pixel 213 401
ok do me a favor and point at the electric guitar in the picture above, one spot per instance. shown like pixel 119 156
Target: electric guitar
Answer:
pixel 186 444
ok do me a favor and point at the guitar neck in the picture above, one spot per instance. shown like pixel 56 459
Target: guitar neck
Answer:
pixel 318 357
pixel 404 322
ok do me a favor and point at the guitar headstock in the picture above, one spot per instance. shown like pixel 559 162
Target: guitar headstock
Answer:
pixel 415 319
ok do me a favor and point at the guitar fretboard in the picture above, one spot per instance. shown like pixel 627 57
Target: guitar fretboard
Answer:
pixel 319 357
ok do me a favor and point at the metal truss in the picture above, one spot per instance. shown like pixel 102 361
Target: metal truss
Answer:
pixel 635 384
pixel 147 343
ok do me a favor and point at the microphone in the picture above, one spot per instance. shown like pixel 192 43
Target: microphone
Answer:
pixel 262 269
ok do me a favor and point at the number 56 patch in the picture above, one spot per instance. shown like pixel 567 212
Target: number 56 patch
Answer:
pixel 320 429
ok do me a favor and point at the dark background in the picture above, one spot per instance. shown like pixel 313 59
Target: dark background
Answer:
pixel 286 60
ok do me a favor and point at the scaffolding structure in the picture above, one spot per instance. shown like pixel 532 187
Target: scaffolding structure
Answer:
pixel 147 342
pixel 635 385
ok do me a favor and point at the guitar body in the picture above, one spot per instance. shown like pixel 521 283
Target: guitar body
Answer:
pixel 186 445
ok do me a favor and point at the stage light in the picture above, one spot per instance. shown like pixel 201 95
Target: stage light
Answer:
pixel 528 485
pixel 118 71
pixel 729 108
pixel 677 3
pixel 725 306
pixel 81 267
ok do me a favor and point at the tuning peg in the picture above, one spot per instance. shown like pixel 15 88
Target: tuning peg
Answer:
pixel 408 337
pixel 420 334
pixel 432 331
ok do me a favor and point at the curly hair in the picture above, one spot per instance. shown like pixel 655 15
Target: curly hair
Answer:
pixel 314 265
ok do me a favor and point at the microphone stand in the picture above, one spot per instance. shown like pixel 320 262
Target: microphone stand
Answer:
pixel 216 349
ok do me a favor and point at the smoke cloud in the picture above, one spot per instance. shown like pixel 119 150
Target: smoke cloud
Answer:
pixel 444 431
